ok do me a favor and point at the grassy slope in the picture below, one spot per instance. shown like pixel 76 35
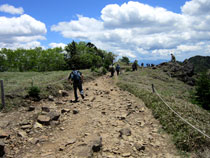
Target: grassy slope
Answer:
pixel 176 94
pixel 16 84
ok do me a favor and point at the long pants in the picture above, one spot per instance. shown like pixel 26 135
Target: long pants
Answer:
pixel 118 71
pixel 79 86
pixel 112 73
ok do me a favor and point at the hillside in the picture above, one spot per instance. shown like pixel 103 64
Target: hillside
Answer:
pixel 176 94
pixel 109 122
pixel 200 63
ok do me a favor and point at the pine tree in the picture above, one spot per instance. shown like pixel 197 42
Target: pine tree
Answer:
pixel 202 91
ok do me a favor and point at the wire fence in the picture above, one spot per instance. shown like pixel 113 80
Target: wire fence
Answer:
pixel 17 88
pixel 184 120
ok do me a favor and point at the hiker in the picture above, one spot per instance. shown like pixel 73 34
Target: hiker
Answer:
pixel 134 66
pixel 117 69
pixel 112 70
pixel 77 78
pixel 173 59
pixel 142 65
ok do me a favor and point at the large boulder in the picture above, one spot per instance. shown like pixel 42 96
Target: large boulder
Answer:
pixel 182 71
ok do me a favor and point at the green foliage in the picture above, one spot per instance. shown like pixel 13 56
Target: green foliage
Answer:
pixel 202 91
pixel 32 59
pixel 125 60
pixel 81 55
pixel 34 91
pixel 127 69
pixel 200 63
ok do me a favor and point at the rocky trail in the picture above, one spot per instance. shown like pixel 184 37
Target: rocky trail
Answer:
pixel 108 123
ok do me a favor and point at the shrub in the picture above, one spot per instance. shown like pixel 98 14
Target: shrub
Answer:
pixel 34 91
pixel 127 69
pixel 104 71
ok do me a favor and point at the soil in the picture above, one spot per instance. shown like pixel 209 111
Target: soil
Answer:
pixel 108 123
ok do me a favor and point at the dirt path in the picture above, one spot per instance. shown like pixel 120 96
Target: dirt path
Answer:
pixel 108 123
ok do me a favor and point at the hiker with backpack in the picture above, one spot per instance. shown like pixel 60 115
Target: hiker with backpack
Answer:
pixel 76 78
pixel 117 69
pixel 112 70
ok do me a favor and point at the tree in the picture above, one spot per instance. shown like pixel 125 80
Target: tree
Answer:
pixel 71 49
pixel 125 60
pixel 202 91
pixel 108 59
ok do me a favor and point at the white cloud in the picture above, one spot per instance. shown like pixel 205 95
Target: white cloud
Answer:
pixel 15 45
pixel 54 45
pixel 11 9
pixel 81 29
pixel 23 31
pixel 139 30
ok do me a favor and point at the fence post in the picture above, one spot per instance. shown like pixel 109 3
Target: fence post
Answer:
pixel 2 94
pixel 153 89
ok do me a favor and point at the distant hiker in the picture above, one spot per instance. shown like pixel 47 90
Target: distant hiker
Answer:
pixel 173 59
pixel 117 69
pixel 142 65
pixel 134 65
pixel 112 70
pixel 77 78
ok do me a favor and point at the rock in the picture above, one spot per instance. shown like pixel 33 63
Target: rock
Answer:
pixel 92 99
pixel 38 125
pixel 24 127
pixel 71 141
pixel 75 111
pixel 45 109
pixel 44 119
pixel 51 98
pixel 54 115
pixel 61 148
pixel 125 131
pixel 84 151
pixel 59 103
pixel 103 112
pixel 65 111
pixel 126 154
pixel 22 134
pixel 106 92
pixel 4 134
pixel 31 108
pixel 54 123
pixel 95 142
pixel 139 147
pixel 122 116
pixel 183 72
pixel 64 93
pixel 2 151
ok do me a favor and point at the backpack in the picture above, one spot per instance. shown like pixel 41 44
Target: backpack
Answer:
pixel 76 76
pixel 117 67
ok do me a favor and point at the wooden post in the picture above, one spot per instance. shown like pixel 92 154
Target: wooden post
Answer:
pixel 153 89
pixel 2 94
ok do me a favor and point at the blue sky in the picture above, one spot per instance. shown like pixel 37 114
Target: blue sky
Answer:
pixel 144 29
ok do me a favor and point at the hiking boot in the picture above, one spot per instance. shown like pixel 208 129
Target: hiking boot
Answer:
pixel 83 96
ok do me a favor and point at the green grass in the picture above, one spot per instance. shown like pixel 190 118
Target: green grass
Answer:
pixel 176 94
pixel 17 84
